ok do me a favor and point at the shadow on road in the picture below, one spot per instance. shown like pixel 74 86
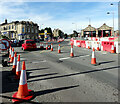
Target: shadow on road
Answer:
pixel 39 93
pixel 9 84
pixel 42 75
pixel 28 101
pixel 85 72
pixel 106 62
pixel 54 90
pixel 37 69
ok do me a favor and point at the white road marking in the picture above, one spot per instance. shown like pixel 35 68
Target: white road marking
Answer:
pixel 104 52
pixel 64 58
pixel 85 56
pixel 70 57
pixel 23 58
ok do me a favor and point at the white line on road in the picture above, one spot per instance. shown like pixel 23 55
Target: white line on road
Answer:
pixel 85 56
pixel 64 58
pixel 70 57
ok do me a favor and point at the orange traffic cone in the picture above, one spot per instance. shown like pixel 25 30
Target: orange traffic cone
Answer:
pixel 98 47
pixel 18 69
pixel 112 49
pixel 88 45
pixel 14 63
pixel 10 52
pixel 51 47
pixel 93 60
pixel 46 46
pixel 59 51
pixel 12 56
pixel 23 92
pixel 71 54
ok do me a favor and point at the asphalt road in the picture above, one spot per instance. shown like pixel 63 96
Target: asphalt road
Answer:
pixel 56 77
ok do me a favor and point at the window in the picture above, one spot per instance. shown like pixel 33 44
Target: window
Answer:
pixel 12 26
pixel 15 27
pixel 36 31
pixel 26 29
pixel 23 29
pixel 29 29
pixel 32 30
pixel 9 27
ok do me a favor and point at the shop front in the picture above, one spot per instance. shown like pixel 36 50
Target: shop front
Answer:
pixel 105 31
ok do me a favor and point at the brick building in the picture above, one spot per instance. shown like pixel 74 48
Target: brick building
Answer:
pixel 19 30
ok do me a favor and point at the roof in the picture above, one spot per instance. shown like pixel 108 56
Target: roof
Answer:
pixel 89 28
pixel 21 22
pixel 104 27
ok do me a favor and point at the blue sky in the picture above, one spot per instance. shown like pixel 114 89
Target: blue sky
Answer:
pixel 61 14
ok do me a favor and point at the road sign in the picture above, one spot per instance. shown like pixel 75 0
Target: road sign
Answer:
pixel 45 31
pixel 4 44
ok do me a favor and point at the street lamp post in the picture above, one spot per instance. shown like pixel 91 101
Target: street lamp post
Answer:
pixel 113 20
pixel 89 20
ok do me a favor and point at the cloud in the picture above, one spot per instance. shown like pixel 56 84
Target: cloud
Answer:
pixel 62 19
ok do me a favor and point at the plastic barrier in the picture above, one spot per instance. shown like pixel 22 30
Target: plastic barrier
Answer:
pixel 96 44
pixel 88 43
pixel 78 43
pixel 82 44
pixel 71 41
pixel 106 46
pixel 103 45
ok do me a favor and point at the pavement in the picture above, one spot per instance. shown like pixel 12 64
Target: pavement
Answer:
pixel 56 77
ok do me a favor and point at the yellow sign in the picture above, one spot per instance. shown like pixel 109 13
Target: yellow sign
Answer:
pixel 44 33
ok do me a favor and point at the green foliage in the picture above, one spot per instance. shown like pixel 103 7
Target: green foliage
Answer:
pixel 3 37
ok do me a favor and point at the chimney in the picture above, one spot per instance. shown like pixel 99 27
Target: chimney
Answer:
pixel 6 21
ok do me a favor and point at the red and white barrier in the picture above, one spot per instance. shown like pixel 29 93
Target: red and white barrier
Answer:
pixel 104 43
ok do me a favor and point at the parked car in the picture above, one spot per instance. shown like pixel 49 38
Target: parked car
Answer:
pixel 29 44
pixel 15 43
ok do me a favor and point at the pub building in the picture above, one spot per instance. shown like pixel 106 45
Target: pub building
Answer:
pixel 103 31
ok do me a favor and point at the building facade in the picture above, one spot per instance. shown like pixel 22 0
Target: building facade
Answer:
pixel 19 30
pixel 58 33
pixel 102 31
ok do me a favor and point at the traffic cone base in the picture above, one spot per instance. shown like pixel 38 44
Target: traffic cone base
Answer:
pixel 23 92
pixel 51 49
pixel 112 49
pixel 71 54
pixel 88 47
pixel 27 97
pixel 59 51
pixel 98 49
pixel 93 61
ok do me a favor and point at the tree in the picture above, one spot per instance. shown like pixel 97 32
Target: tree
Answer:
pixel 65 35
pixel 75 33
pixel 61 34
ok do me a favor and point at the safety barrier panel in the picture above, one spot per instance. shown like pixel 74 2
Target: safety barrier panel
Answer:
pixel 78 43
pixel 106 46
pixel 103 45
pixel 72 41
pixel 82 43
pixel 96 44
